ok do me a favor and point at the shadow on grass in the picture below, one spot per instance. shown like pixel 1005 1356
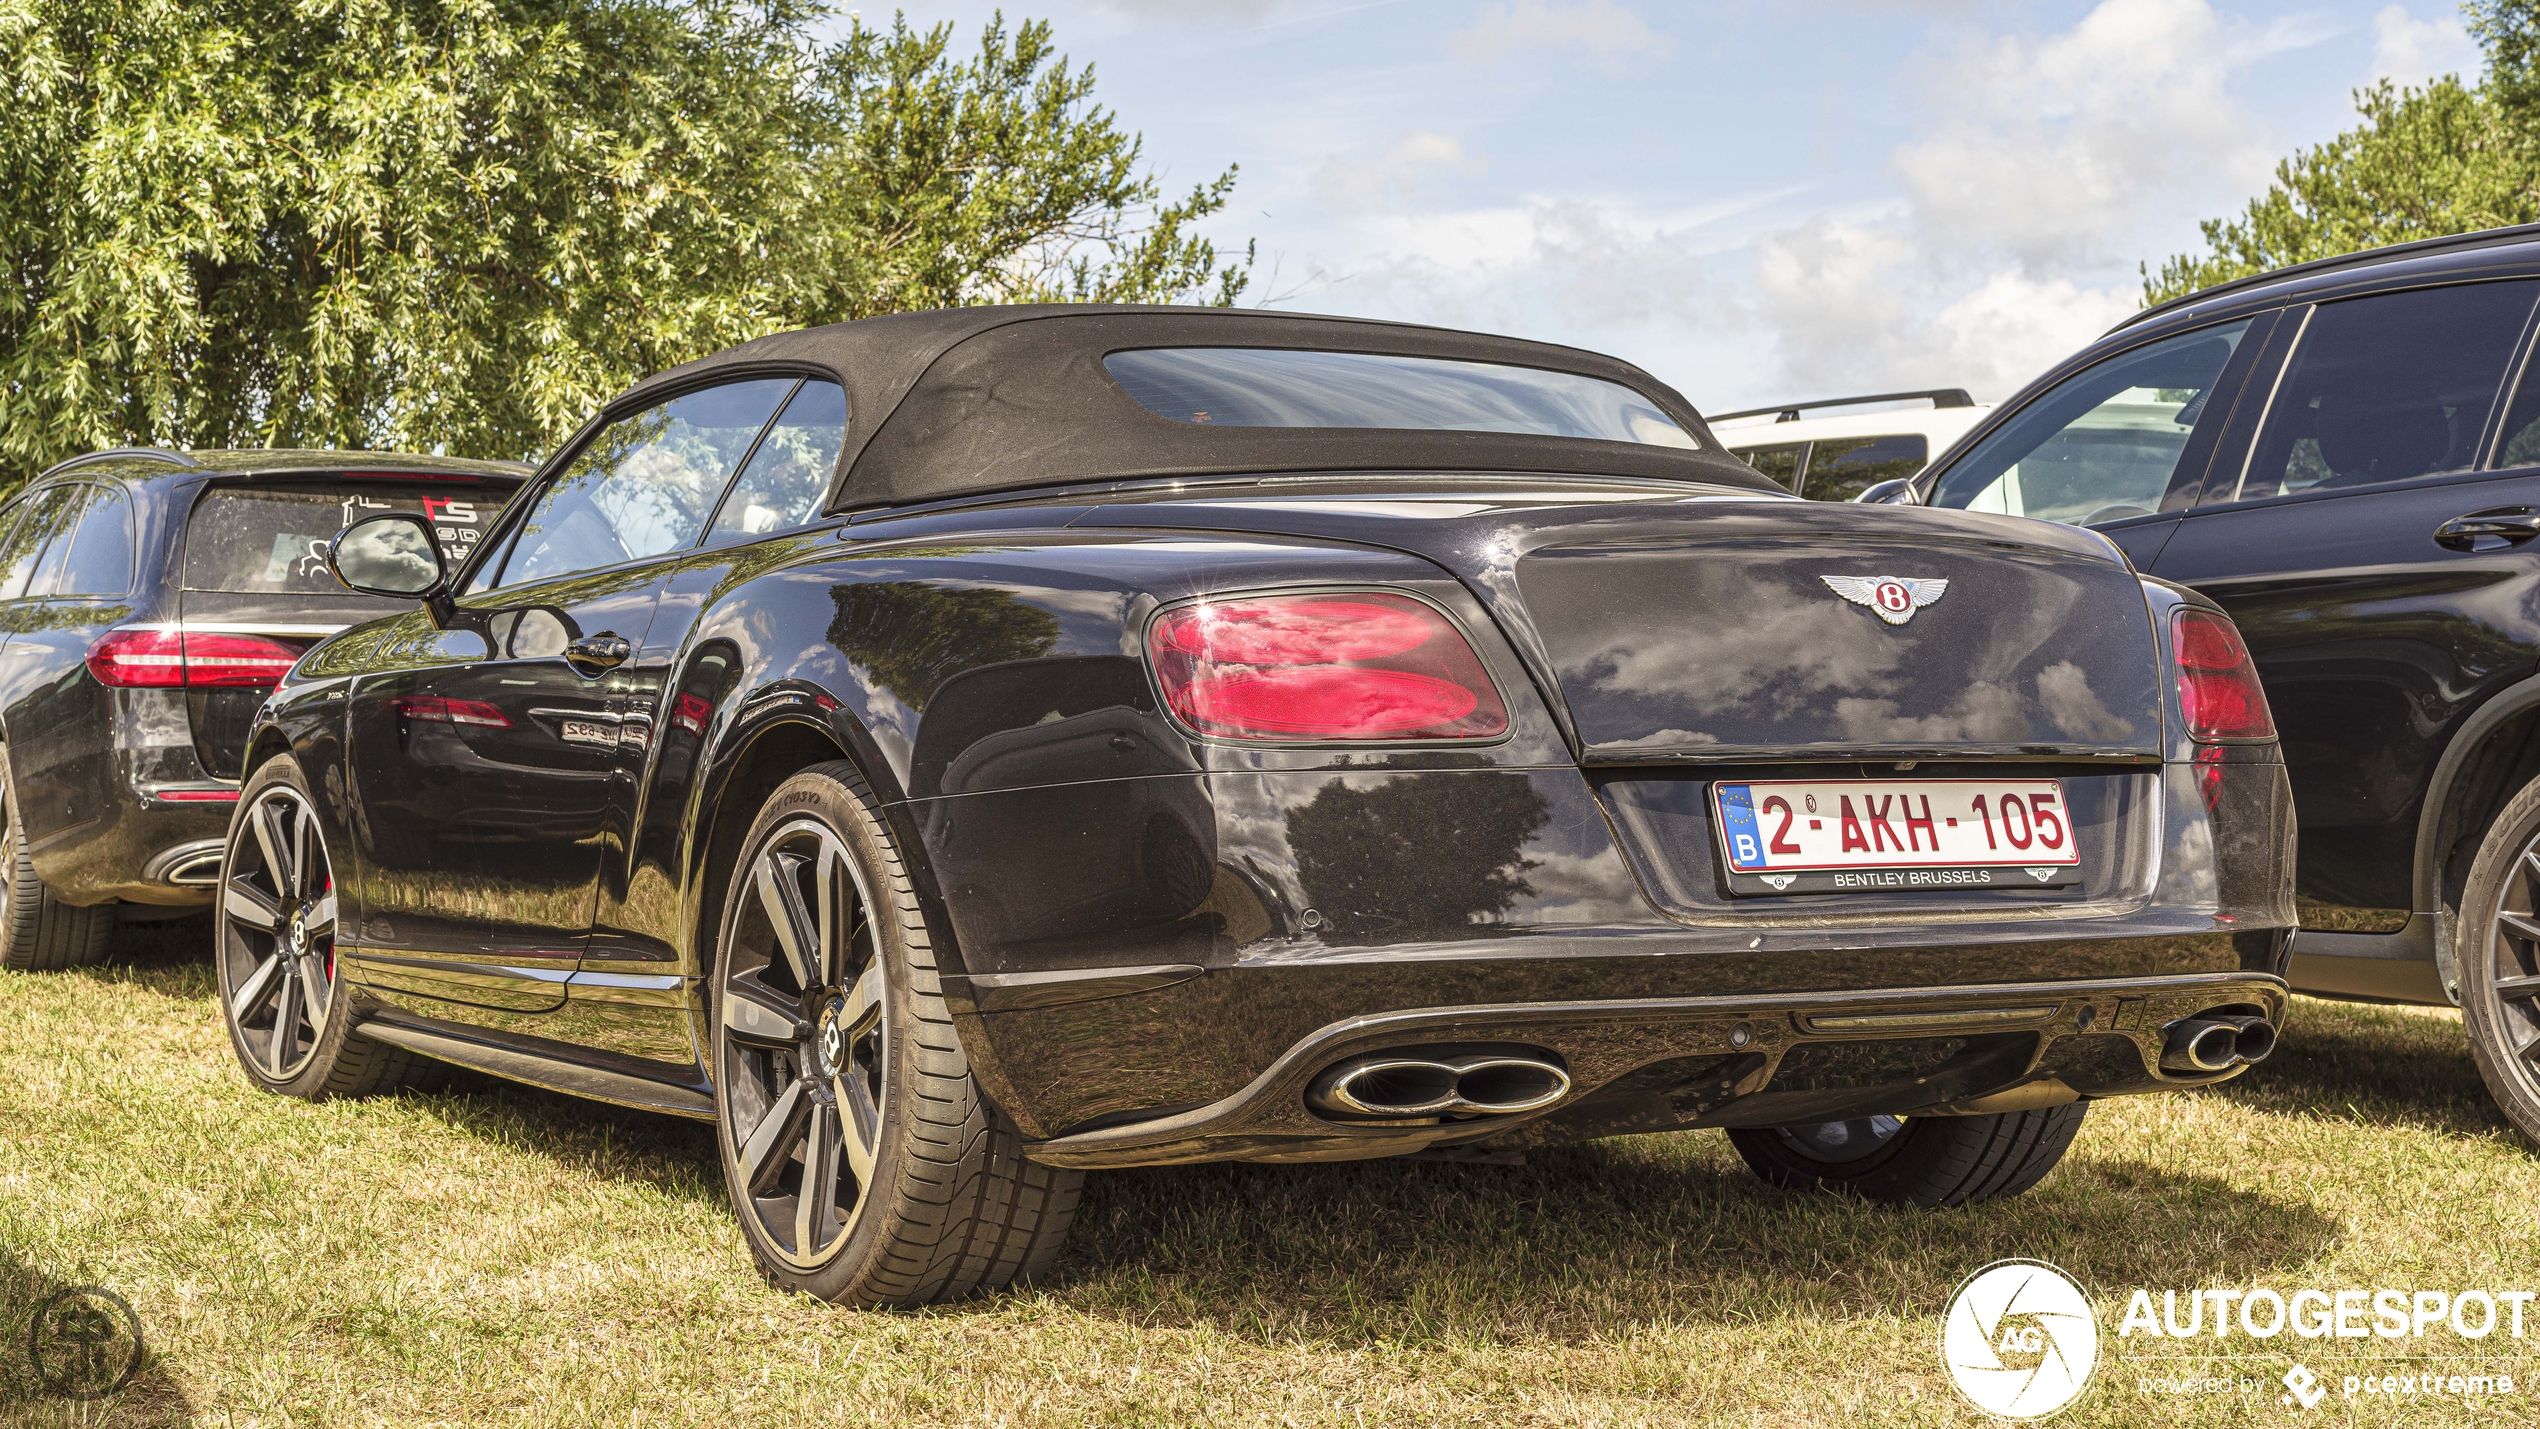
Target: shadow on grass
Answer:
pixel 673 1154
pixel 2380 1066
pixel 1592 1242
pixel 152 1396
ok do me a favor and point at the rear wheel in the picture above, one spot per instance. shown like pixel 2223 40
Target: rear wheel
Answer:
pixel 274 948
pixel 864 1164
pixel 1920 1161
pixel 39 932
pixel 2500 960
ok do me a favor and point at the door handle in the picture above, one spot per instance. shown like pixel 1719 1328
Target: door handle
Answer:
pixel 595 655
pixel 2512 524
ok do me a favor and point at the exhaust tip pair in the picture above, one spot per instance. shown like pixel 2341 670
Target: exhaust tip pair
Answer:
pixel 2216 1041
pixel 1410 1085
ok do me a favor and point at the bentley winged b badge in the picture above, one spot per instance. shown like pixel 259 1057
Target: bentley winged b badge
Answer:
pixel 1893 599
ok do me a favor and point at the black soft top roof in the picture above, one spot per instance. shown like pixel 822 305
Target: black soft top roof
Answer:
pixel 968 400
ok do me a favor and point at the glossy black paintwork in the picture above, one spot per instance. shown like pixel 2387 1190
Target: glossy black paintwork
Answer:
pixel 2378 645
pixel 1129 920
pixel 91 763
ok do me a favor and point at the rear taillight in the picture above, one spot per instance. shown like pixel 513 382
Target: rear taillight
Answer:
pixel 180 659
pixel 2217 683
pixel 1314 668
pixel 436 710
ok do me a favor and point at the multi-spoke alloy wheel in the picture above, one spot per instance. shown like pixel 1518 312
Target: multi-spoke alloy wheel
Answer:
pixel 2500 960
pixel 277 933
pixel 274 945
pixel 805 1022
pixel 865 1164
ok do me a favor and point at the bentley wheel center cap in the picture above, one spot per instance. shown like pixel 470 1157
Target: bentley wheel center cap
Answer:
pixel 833 1037
pixel 295 932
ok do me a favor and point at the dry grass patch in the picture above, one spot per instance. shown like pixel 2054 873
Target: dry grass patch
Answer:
pixel 498 1255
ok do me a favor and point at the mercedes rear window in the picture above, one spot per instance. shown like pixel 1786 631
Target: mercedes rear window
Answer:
pixel 271 538
pixel 1283 387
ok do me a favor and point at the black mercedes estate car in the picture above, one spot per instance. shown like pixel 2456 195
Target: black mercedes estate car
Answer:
pixel 149 600
pixel 955 750
pixel 2346 456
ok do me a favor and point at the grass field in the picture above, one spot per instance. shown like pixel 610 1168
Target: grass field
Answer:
pixel 498 1255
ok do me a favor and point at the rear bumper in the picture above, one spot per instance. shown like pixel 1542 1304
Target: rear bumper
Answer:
pixel 1656 1064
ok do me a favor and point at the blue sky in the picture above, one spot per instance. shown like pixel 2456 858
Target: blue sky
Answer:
pixel 1757 202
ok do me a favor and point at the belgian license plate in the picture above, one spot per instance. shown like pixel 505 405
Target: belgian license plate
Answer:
pixel 1870 835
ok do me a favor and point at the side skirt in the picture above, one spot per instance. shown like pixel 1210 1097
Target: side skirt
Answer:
pixel 623 1086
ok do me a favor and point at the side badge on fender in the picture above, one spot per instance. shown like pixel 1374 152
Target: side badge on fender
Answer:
pixel 1893 599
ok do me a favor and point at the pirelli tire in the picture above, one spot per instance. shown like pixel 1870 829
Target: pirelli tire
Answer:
pixel 1927 1161
pixel 38 931
pixel 864 1164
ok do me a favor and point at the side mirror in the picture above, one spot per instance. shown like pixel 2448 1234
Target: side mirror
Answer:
pixel 392 555
pixel 1895 491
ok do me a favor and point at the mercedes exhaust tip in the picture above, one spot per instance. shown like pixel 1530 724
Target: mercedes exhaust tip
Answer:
pixel 2216 1040
pixel 1417 1087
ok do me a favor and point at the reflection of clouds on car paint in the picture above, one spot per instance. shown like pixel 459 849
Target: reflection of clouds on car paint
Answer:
pixel 2063 690
pixel 1983 711
pixel 1783 660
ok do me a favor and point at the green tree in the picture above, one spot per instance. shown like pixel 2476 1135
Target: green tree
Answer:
pixel 459 224
pixel 2447 158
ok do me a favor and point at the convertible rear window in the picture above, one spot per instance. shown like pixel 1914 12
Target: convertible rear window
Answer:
pixel 1284 387
pixel 271 539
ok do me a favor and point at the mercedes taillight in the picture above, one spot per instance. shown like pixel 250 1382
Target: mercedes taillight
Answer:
pixel 188 659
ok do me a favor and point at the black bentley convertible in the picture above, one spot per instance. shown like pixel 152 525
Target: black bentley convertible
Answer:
pixel 956 750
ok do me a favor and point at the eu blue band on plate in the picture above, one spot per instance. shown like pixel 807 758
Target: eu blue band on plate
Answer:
pixel 1737 820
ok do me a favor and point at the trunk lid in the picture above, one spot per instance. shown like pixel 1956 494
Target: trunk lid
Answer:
pixel 1707 628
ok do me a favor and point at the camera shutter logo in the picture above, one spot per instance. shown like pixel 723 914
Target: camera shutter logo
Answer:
pixel 2019 1339
pixel 85 1342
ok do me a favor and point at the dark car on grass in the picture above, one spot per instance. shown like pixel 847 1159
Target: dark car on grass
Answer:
pixel 954 751
pixel 2346 456
pixel 149 600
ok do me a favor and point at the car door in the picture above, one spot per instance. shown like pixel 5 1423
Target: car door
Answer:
pixel 2345 543
pixel 2120 446
pixel 85 579
pixel 632 989
pixel 41 666
pixel 482 755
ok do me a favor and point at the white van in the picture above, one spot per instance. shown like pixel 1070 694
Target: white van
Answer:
pixel 1837 458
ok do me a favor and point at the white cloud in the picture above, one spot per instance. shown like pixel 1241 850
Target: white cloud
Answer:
pixel 2013 327
pixel 2055 148
pixel 1394 177
pixel 2413 51
pixel 1607 31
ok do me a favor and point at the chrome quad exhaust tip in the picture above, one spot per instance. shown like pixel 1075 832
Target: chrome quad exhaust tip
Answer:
pixel 1411 1086
pixel 2216 1040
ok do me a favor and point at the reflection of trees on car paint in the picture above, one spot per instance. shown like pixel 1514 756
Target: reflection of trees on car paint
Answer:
pixel 1412 855
pixel 912 636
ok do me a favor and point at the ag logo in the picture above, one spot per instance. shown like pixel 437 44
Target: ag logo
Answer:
pixel 2019 1339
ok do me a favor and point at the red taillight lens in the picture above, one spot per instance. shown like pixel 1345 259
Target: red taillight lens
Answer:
pixel 2217 683
pixel 1307 668
pixel 436 710
pixel 171 659
pixel 690 712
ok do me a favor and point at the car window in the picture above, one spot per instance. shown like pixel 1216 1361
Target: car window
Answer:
pixel 270 538
pixel 1841 469
pixel 2102 444
pixel 1779 463
pixel 47 579
pixel 645 485
pixel 45 512
pixel 100 560
pixel 1285 387
pixel 789 473
pixel 2388 388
